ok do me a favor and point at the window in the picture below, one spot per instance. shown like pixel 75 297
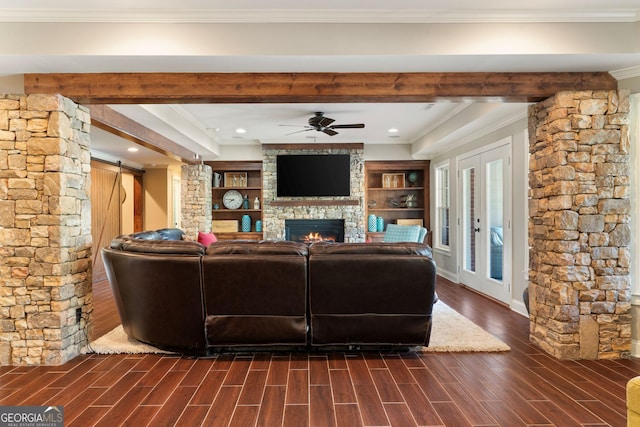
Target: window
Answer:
pixel 441 230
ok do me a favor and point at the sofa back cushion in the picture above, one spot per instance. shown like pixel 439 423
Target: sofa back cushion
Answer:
pixel 265 247
pixel 322 248
pixel 168 247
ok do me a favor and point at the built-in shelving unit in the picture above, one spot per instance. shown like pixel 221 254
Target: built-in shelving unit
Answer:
pixel 251 187
pixel 387 185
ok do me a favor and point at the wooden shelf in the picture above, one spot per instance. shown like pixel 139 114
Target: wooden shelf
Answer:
pixel 253 170
pixel 394 209
pixel 224 189
pixel 225 210
pixel 375 171
pixel 349 202
pixel 396 189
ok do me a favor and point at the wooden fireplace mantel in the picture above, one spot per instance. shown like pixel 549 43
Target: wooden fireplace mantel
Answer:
pixel 294 203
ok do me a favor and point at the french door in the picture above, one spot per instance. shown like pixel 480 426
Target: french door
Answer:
pixel 485 222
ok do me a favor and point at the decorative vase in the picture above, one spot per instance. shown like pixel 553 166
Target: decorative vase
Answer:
pixel 372 224
pixel 259 226
pixel 245 202
pixel 246 223
pixel 256 203
pixel 380 224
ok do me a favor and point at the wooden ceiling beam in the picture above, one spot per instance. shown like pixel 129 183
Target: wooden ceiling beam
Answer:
pixel 118 124
pixel 176 88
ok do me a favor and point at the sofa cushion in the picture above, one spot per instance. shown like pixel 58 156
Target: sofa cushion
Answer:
pixel 169 247
pixel 265 247
pixel 206 238
pixel 323 248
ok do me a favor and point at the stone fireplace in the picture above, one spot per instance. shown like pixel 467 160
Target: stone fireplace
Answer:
pixel 314 230
pixel 348 209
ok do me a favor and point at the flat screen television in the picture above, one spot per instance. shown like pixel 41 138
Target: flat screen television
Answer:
pixel 313 175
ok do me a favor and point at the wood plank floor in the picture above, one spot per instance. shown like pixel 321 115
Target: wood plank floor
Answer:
pixel 524 387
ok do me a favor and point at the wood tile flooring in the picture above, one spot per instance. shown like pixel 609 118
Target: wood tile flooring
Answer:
pixel 524 387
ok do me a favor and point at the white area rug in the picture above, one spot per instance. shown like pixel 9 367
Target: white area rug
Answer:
pixel 117 342
pixel 451 332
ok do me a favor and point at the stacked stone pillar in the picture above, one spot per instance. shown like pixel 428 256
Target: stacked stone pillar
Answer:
pixel 196 199
pixel 45 229
pixel 579 225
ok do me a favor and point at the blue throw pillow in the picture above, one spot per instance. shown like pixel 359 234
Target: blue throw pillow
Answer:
pixel 402 233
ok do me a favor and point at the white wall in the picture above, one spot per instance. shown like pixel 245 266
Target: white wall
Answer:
pixel 447 262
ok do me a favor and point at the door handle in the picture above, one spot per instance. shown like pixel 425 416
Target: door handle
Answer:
pixel 477 230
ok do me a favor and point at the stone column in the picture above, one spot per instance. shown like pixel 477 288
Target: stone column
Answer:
pixel 45 229
pixel 579 233
pixel 196 199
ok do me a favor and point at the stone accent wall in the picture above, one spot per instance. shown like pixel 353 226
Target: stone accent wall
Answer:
pixel 196 199
pixel 45 229
pixel 579 233
pixel 273 216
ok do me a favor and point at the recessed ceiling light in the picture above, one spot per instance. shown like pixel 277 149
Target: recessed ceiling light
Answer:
pixel 132 149
pixel 240 130
pixel 393 130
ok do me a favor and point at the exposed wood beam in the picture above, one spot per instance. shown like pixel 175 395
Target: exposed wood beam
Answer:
pixel 159 88
pixel 113 122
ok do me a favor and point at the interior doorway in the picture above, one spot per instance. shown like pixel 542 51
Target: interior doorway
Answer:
pixel 485 221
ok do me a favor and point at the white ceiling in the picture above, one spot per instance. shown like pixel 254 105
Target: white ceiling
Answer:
pixel 306 36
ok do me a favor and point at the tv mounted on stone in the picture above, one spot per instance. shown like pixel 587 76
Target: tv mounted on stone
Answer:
pixel 313 175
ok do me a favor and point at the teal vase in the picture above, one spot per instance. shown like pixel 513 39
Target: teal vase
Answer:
pixel 371 223
pixel 259 226
pixel 246 223
pixel 380 224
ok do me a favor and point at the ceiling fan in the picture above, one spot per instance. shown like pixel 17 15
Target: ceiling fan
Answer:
pixel 323 124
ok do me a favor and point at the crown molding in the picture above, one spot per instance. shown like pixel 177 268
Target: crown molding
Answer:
pixel 121 15
pixel 626 73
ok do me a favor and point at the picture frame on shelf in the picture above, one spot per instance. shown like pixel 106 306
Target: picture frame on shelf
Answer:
pixel 393 180
pixel 235 179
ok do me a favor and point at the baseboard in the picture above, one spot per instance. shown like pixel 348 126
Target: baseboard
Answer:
pixel 448 275
pixel 519 307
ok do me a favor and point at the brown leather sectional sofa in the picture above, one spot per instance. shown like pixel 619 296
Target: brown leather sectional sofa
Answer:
pixel 183 297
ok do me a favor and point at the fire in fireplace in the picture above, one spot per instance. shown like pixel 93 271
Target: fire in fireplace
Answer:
pixel 314 230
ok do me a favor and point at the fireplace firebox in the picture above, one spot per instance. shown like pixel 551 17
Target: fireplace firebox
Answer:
pixel 314 230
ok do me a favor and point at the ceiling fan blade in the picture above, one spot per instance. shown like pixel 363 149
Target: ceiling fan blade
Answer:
pixel 329 132
pixel 298 131
pixel 325 121
pixel 351 126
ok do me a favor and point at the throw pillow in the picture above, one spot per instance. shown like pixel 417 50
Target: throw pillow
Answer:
pixel 206 238
pixel 401 233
